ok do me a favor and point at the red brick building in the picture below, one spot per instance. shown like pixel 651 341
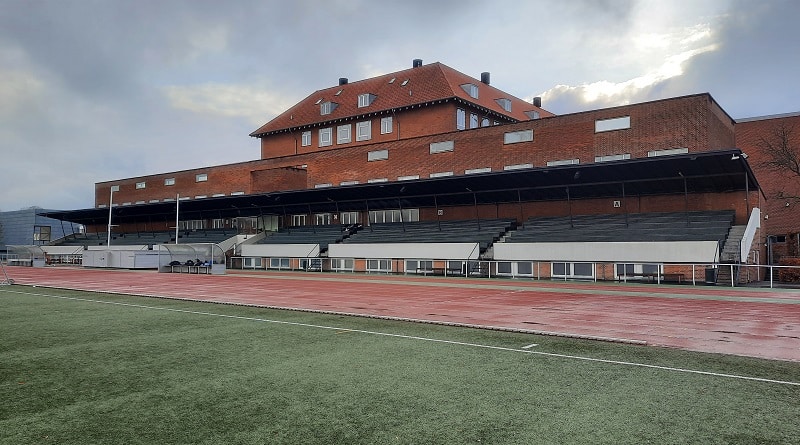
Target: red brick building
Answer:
pixel 433 122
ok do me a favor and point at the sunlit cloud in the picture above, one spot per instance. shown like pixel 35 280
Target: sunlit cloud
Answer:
pixel 256 103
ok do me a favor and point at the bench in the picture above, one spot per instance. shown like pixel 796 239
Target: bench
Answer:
pixel 653 277
pixel 190 269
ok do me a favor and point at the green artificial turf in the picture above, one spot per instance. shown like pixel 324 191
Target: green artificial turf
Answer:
pixel 83 372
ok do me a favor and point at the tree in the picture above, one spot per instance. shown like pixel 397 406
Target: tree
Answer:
pixel 781 151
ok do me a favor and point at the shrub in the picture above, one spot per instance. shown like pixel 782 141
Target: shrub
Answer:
pixel 790 275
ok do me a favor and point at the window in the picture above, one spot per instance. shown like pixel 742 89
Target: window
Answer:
pixel 342 264
pixel 504 103
pixel 461 119
pixel 114 188
pixel 617 123
pixel 379 265
pixel 404 83
pixel 153 201
pixel 323 185
pixel 471 171
pixel 217 195
pixel 218 223
pixel 441 174
pixel 279 263
pixel 386 125
pixel 348 183
pixel 305 140
pixel 237 193
pixel 473 120
pixel 514 137
pixel 389 216
pixel 343 134
pixel 199 197
pixel 322 219
pixel 202 177
pixel 41 233
pixel 349 217
pixel 572 270
pixel 365 100
pixel 471 89
pixel 327 107
pixel 298 220
pixel 325 137
pixel 667 152
pixel 441 147
pixel 562 162
pixel 377 180
pixel 141 185
pixel 419 266
pixel 169 181
pixel 485 122
pixel 517 167
pixel 407 178
pixel 608 158
pixel 378 155
pixel 364 131
pixel 532 114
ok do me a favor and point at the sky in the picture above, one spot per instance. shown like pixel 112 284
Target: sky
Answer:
pixel 97 90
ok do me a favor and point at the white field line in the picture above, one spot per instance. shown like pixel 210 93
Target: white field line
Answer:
pixel 525 349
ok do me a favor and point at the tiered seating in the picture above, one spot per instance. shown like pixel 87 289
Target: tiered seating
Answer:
pixel 483 232
pixel 676 226
pixel 322 235
pixel 144 238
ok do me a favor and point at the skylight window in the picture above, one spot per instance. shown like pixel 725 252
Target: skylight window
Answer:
pixel 318 102
pixel 405 82
pixel 338 92
pixel 392 79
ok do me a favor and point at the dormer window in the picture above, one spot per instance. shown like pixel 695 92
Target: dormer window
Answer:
pixel 365 100
pixel 504 103
pixel 471 89
pixel 327 107
pixel 532 114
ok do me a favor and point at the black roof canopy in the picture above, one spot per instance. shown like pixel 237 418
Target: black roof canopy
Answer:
pixel 718 171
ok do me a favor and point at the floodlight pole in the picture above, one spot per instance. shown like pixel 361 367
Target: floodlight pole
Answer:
pixel 177 214
pixel 110 206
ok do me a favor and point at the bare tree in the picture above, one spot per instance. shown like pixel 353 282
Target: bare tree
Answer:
pixel 782 154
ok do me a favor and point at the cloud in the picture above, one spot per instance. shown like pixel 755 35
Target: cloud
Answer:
pixel 256 103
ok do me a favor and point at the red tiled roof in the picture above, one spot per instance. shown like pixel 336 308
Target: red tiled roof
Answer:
pixel 414 86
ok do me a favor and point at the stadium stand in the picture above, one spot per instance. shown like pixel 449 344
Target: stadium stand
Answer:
pixel 322 235
pixel 675 226
pixel 484 232
pixel 198 236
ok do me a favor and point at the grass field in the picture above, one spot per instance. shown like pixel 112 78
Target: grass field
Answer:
pixel 88 368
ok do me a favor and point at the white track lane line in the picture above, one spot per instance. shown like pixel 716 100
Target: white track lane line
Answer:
pixel 412 337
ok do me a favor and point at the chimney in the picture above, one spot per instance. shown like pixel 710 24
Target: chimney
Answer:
pixel 537 102
pixel 485 78
pixel 342 81
pixel 416 63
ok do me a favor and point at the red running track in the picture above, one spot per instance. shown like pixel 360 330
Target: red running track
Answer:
pixel 761 323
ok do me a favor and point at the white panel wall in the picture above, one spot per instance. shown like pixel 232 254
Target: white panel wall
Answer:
pixel 281 250
pixel 439 251
pixel 634 252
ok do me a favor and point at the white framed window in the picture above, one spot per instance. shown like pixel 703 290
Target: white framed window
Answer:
pixel 126 203
pixel 617 123
pixel 323 185
pixel 381 265
pixel 485 122
pixel 251 262
pixel 572 270
pixel 629 272
pixel 139 202
pixel 472 171
pixel 201 196
pixel 563 162
pixel 364 131
pixel 532 114
pixel 169 181
pixel 279 263
pixel 322 219
pixel 407 178
pixel 378 155
pixel 342 264
pixel 504 103
pixel 114 188
pixel 514 137
pixel 305 139
pixel 461 119
pixel 395 215
pixel 365 100
pixel 349 217
pixel 327 107
pixel 237 193
pixel 441 147
pixel 517 167
pixel 201 177
pixel 667 152
pixel 377 180
pixel 419 266
pixel 153 201
pixel 141 185
pixel 471 89
pixel 217 195
pixel 609 158
pixel 441 174
pixel 348 183
pixel 325 137
pixel 386 125
pixel 298 220
pixel 343 134
pixel 473 120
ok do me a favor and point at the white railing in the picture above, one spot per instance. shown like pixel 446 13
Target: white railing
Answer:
pixel 753 224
